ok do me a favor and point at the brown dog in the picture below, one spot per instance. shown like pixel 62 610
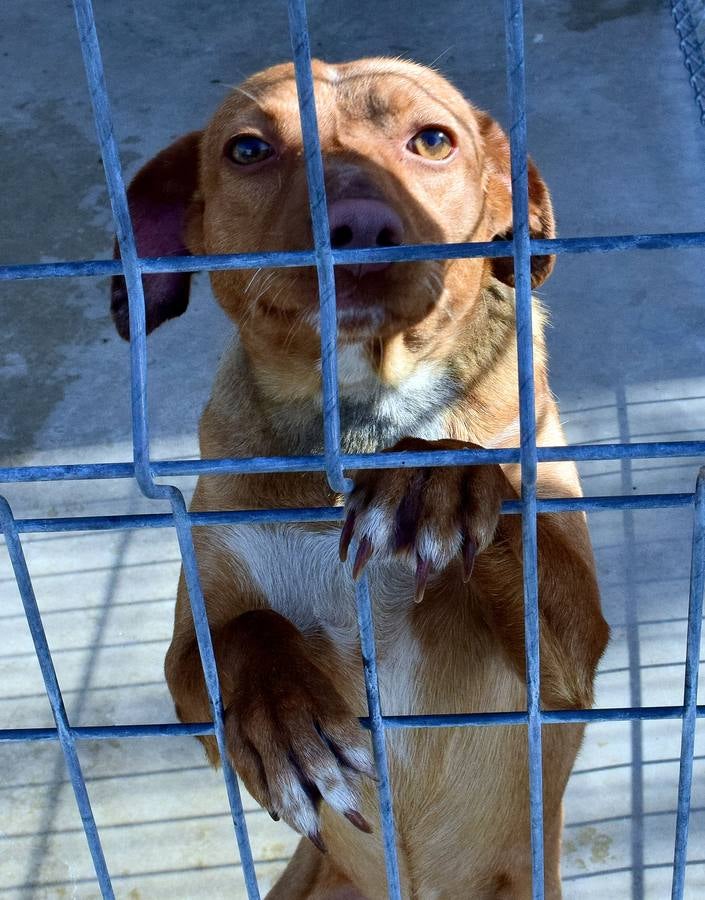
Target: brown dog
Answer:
pixel 427 359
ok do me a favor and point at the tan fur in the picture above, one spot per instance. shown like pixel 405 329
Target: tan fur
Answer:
pixel 435 366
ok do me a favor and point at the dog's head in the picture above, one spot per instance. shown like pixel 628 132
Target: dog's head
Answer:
pixel 407 160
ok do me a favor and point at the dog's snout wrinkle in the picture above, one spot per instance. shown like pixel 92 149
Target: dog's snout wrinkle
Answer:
pixel 350 180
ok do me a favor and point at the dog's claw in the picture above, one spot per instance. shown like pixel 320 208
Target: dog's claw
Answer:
pixel 423 570
pixel 469 554
pixel 359 821
pixel 346 535
pixel 367 769
pixel 273 815
pixel 362 557
pixel 317 841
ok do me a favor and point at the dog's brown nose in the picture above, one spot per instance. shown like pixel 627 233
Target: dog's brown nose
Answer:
pixel 360 222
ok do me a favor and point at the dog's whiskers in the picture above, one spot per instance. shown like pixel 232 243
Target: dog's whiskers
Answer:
pixel 265 286
pixel 240 90
pixel 252 280
pixel 441 55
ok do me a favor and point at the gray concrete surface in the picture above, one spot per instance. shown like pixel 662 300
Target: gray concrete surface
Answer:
pixel 613 126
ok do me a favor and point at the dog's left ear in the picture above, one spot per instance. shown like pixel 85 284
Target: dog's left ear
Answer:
pixel 498 194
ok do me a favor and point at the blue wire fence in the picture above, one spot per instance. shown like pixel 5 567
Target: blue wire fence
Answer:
pixel 144 470
pixel 689 19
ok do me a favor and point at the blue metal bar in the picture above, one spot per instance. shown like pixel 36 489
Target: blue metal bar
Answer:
pixel 448 720
pixel 93 65
pixel 51 684
pixel 261 464
pixel 298 28
pixel 548 717
pixel 690 689
pixel 324 514
pixel 333 462
pixel 375 722
pixel 90 50
pixel 110 732
pixel 516 88
pixel 289 259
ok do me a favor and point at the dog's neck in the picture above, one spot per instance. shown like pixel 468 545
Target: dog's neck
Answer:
pixel 434 398
pixel 373 415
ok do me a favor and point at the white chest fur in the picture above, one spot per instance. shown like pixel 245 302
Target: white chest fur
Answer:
pixel 299 572
pixel 414 407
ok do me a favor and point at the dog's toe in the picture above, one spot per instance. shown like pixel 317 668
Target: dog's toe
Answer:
pixel 423 517
pixel 296 746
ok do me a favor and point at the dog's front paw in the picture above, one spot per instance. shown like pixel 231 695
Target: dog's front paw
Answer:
pixel 294 742
pixel 426 516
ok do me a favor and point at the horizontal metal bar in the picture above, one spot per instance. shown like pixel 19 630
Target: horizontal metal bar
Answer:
pixel 548 717
pixel 66 472
pixel 265 464
pixel 166 520
pixel 297 259
pixel 80 268
pixel 454 720
pixel 325 514
pixel 105 732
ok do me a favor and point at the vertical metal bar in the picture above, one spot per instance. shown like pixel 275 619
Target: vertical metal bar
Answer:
pixel 369 663
pixel 301 49
pixel 631 604
pixel 93 64
pixel 690 691
pixel 51 684
pixel 138 386
pixel 516 87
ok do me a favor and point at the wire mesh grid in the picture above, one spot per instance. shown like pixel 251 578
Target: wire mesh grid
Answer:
pixel 689 18
pixel 144 470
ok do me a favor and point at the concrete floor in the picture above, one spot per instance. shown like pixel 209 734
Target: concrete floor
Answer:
pixel 614 129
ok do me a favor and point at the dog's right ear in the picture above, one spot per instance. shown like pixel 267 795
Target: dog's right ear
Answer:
pixel 163 201
pixel 498 192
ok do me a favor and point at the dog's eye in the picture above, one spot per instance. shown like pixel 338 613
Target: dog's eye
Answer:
pixel 246 149
pixel 432 143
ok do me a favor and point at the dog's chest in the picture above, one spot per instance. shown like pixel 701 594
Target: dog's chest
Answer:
pixel 299 572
